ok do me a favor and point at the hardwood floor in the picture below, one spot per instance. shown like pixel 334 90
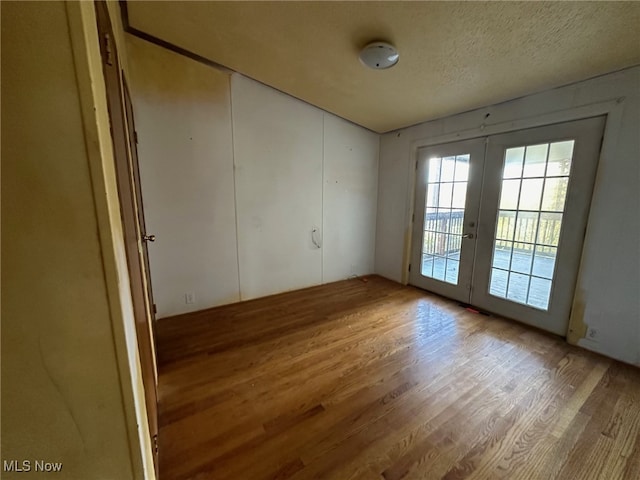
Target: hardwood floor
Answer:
pixel 380 381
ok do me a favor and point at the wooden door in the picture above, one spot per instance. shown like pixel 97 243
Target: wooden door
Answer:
pixel 142 229
pixel 127 193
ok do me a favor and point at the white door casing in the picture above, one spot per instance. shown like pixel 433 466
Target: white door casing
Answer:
pixel 524 216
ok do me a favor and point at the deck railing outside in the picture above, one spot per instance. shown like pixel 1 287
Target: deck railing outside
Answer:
pixel 540 228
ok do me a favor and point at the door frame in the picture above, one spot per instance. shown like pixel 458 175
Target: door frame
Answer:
pixel 588 136
pixel 579 197
pixel 480 127
pixel 121 141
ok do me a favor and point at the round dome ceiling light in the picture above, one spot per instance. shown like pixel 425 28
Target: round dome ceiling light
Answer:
pixel 379 55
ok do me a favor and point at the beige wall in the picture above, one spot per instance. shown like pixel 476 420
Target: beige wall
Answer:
pixel 68 380
pixel 183 119
pixel 278 162
pixel 235 175
pixel 350 190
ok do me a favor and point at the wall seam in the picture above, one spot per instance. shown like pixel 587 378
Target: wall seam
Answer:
pixel 374 264
pixel 324 116
pixel 235 185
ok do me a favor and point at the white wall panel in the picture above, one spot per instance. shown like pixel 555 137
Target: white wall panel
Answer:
pixel 278 161
pixel 194 128
pixel 392 227
pixel 350 189
pixel 183 118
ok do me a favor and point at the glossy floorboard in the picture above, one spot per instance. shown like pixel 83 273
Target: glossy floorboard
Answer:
pixel 374 380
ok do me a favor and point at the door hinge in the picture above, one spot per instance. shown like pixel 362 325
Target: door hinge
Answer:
pixel 155 443
pixel 416 164
pixel 409 267
pixel 135 137
pixel 413 217
pixel 155 308
pixel 107 49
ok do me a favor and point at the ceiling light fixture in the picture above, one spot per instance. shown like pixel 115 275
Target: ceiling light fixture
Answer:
pixel 379 55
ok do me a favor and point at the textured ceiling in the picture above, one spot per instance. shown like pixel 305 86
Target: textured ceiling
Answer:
pixel 454 56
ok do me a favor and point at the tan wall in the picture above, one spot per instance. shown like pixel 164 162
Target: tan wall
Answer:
pixel 67 364
pixel 99 149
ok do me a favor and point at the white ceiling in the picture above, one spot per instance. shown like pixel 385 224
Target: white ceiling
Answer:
pixel 454 56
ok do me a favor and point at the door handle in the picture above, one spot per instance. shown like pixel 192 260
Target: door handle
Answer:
pixel 149 238
pixel 467 235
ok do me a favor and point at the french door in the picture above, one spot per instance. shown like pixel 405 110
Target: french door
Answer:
pixel 499 220
pixel 449 183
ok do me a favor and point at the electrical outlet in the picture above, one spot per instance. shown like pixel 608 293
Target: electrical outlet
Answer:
pixel 592 333
pixel 189 297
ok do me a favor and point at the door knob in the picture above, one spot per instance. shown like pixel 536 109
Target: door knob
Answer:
pixel 467 235
pixel 149 238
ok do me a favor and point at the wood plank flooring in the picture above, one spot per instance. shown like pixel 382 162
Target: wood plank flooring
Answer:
pixel 374 380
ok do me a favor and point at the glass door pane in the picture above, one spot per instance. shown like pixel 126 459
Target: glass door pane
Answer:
pixel 448 180
pixel 529 221
pixel 444 217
